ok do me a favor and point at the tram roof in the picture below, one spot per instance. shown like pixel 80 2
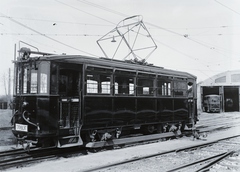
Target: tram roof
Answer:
pixel 119 64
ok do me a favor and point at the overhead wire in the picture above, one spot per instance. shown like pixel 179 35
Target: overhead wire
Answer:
pixel 227 7
pixel 85 12
pixel 180 52
pixel 15 39
pixel 48 34
pixel 205 27
pixel 29 28
pixel 103 8
pixel 104 25
pixel 218 48
pixel 156 26
pixel 150 24
pixel 118 13
pixel 191 57
pixel 58 21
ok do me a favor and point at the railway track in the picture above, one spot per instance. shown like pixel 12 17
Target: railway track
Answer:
pixel 21 158
pixel 211 157
pixel 215 156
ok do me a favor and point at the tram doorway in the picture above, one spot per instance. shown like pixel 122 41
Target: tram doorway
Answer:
pixel 69 107
pixel 231 99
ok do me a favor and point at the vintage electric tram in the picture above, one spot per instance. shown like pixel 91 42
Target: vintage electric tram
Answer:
pixel 72 100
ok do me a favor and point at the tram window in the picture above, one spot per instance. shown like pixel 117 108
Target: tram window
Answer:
pixel 18 80
pixel 62 83
pixel 180 88
pixel 145 87
pixel 25 80
pixel 54 81
pixel 43 83
pixel 116 87
pixel 131 88
pixel 33 88
pixel 105 87
pixel 28 77
pixel 124 85
pixel 44 69
pixel 164 88
pixel 92 86
pixel 98 84
pixel 68 82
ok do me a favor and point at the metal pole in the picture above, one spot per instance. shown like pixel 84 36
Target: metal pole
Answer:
pixel 9 86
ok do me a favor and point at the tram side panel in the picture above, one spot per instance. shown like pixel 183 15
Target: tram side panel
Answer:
pixel 107 112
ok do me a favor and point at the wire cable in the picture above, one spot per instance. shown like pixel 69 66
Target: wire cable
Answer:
pixel 227 7
pixel 84 12
pixel 57 21
pixel 53 34
pixel 29 28
pixel 150 24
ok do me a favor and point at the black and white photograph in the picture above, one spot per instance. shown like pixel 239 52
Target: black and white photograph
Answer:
pixel 120 85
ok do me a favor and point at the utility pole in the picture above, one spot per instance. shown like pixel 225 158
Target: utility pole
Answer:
pixel 9 86
pixel 4 82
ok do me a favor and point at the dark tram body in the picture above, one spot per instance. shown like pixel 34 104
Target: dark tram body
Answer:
pixel 71 100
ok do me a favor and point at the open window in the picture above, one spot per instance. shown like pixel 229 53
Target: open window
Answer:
pixel 68 82
pixel 145 86
pixel 98 83
pixel 164 88
pixel 124 85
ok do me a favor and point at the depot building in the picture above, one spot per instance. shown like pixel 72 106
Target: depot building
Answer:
pixel 227 85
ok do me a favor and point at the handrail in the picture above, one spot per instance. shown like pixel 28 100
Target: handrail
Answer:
pixel 29 122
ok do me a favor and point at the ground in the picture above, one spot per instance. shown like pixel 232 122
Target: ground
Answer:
pixel 6 116
pixel 93 160
pixel 6 136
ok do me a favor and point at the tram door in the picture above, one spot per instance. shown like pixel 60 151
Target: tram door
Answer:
pixel 69 106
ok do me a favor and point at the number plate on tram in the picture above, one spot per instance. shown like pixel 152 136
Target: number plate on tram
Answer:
pixel 21 127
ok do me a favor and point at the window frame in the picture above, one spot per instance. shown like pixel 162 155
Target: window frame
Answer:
pixel 126 89
pixel 44 77
pixel 99 89
pixel 167 82
pixel 29 80
pixel 146 81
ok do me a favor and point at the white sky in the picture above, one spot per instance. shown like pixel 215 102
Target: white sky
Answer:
pixel 212 28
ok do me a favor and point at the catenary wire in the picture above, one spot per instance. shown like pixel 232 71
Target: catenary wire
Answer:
pixel 29 28
pixel 150 24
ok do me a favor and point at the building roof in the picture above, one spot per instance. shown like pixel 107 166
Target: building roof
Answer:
pixel 228 78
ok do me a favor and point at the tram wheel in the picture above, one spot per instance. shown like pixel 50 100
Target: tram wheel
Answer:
pixel 148 129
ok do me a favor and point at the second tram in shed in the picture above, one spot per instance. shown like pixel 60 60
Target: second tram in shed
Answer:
pixel 212 103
